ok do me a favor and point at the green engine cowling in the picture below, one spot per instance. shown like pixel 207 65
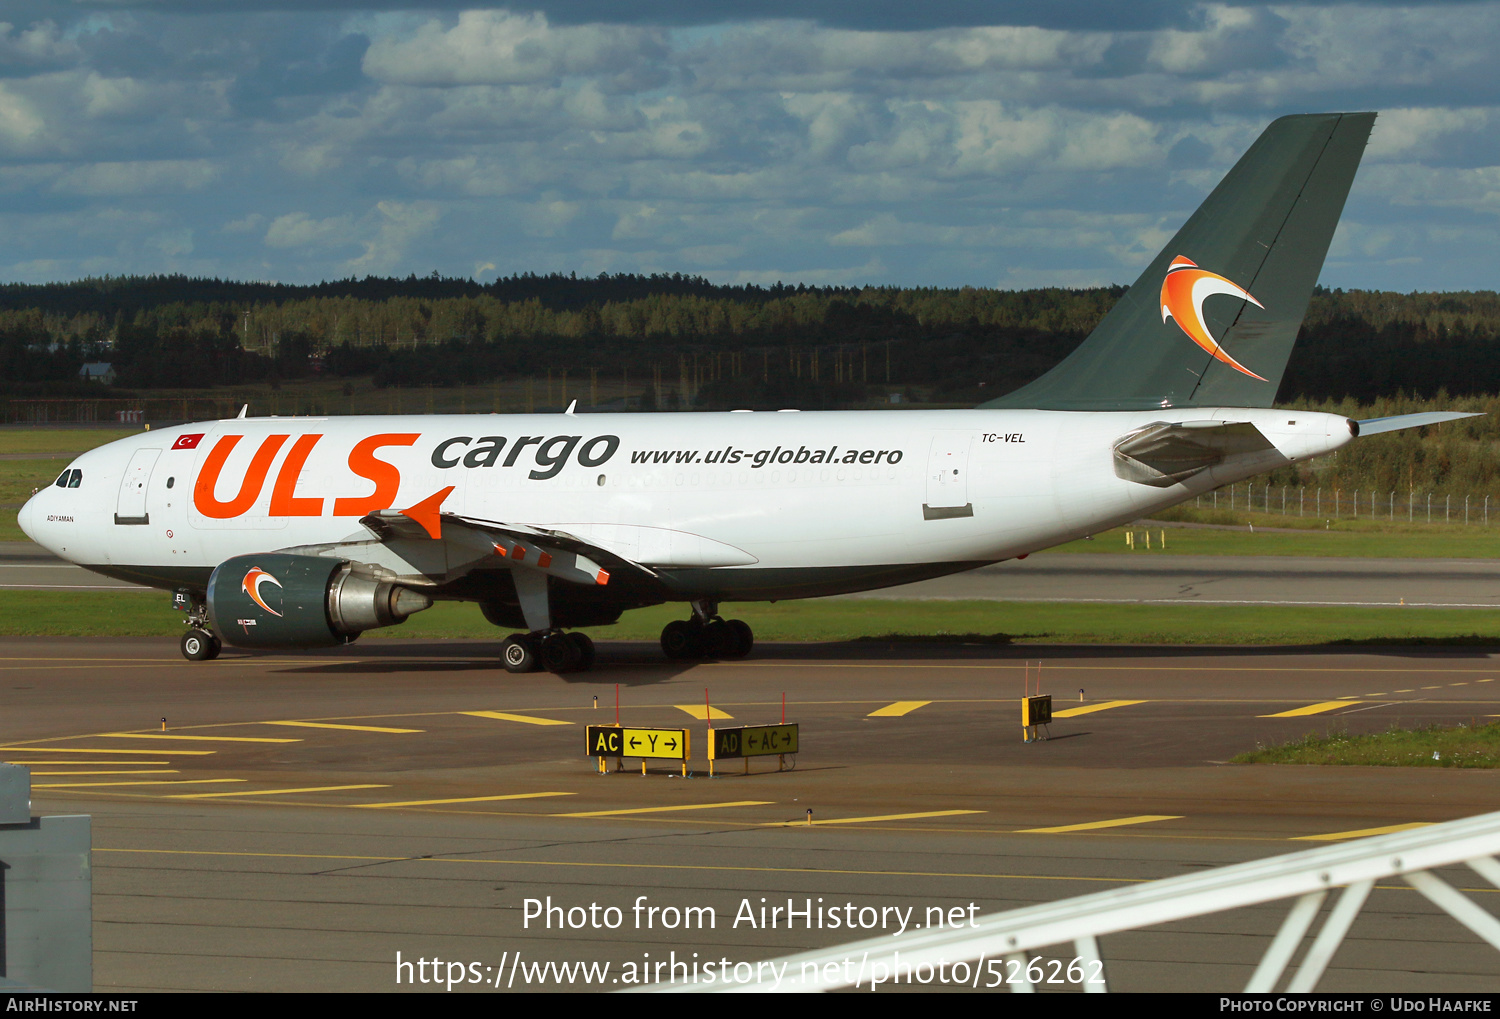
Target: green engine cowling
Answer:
pixel 278 600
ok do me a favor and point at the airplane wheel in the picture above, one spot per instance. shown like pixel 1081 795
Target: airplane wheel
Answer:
pixel 743 638
pixel 200 646
pixel 517 654
pixel 718 640
pixel 558 653
pixel 585 648
pixel 682 640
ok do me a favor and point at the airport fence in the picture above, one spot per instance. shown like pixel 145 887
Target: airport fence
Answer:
pixel 1318 503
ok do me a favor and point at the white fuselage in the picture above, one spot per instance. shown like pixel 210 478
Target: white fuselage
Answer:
pixel 718 491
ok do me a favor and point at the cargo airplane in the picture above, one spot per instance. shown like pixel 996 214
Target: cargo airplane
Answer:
pixel 302 532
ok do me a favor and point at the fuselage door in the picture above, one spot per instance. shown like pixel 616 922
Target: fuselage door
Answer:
pixel 131 506
pixel 948 476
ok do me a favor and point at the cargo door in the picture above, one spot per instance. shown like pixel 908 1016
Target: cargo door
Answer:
pixel 948 477
pixel 130 507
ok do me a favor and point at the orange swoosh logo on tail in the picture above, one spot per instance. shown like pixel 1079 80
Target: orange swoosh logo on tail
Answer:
pixel 251 584
pixel 1183 292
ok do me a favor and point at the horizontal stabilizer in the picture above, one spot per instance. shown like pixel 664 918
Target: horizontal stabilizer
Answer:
pixel 1162 454
pixel 1374 426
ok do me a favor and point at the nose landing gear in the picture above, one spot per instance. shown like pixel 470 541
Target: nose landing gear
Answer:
pixel 706 636
pixel 200 646
pixel 199 643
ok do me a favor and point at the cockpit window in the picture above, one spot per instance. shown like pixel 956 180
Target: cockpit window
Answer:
pixel 76 478
pixel 62 479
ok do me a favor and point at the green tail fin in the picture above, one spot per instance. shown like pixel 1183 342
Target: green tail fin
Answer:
pixel 1185 335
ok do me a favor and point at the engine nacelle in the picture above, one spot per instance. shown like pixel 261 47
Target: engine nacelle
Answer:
pixel 290 601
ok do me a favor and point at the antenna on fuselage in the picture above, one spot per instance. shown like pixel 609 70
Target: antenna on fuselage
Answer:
pixel 571 406
pixel 242 412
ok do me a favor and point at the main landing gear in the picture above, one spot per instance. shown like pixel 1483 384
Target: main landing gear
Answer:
pixel 706 635
pixel 550 650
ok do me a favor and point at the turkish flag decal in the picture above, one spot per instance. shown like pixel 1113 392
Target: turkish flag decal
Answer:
pixel 188 441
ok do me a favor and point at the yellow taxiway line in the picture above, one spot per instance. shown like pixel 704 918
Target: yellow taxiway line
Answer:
pixel 702 712
pixel 505 717
pixel 97 785
pixel 1361 832
pixel 102 750
pixel 112 771
pixel 206 739
pixel 1089 709
pixel 878 817
pixel 1117 822
pixel 1313 709
pixel 659 810
pixel 58 764
pixel 897 709
pixel 463 799
pixel 273 792
pixel 331 725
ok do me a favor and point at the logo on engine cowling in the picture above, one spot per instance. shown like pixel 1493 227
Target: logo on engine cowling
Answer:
pixel 251 585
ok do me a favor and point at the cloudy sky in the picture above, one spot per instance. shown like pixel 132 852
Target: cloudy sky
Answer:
pixel 943 143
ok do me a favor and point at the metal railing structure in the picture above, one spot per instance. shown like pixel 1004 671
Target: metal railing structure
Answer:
pixel 1308 878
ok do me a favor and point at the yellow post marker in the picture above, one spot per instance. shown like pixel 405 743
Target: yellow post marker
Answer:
pixel 1148 541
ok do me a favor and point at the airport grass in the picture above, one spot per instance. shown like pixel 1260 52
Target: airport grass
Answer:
pixel 1434 746
pixel 130 613
pixel 44 441
pixel 1380 540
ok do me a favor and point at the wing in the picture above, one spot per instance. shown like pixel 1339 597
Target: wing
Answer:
pixel 434 551
pixel 467 543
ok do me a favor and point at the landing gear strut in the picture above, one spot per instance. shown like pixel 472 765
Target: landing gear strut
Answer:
pixel 551 650
pixel 198 643
pixel 706 635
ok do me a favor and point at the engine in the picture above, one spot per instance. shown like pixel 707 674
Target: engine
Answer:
pixel 290 601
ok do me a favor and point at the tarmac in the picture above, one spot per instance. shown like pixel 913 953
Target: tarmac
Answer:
pixel 310 822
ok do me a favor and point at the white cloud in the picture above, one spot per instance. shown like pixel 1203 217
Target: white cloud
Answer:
pixel 40 43
pixel 397 225
pixel 499 47
pixel 245 224
pixel 21 123
pixel 1413 131
pixel 299 230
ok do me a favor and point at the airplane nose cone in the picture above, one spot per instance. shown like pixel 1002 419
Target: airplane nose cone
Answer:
pixel 24 518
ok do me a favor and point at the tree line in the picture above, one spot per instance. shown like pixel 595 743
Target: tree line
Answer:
pixel 826 345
